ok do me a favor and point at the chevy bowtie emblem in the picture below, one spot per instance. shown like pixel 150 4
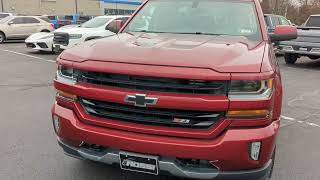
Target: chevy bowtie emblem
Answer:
pixel 141 100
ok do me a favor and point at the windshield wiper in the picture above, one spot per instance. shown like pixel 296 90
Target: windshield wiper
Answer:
pixel 201 33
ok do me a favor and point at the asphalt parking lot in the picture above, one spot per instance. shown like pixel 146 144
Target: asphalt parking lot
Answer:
pixel 29 149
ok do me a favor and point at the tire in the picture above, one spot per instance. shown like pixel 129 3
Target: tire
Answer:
pixel 290 58
pixel 314 57
pixel 272 165
pixel 2 37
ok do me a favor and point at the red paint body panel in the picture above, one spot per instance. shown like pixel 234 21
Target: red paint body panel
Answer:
pixel 181 57
pixel 221 54
pixel 230 148
pixel 166 100
pixel 148 70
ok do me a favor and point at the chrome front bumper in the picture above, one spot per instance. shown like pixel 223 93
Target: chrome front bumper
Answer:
pixel 294 47
pixel 167 165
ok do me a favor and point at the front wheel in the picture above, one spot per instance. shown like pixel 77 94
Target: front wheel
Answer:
pixel 314 57
pixel 290 58
pixel 2 38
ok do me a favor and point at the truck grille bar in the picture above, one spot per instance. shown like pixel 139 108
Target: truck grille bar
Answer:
pixel 61 38
pixel 155 83
pixel 151 116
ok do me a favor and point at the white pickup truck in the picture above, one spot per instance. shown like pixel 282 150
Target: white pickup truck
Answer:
pixel 66 38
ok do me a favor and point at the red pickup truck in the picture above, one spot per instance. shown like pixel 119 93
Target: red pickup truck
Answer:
pixel 189 88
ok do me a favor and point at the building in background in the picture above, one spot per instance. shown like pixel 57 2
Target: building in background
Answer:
pixel 67 7
pixel 122 7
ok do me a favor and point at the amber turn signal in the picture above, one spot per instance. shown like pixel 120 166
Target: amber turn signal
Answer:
pixel 66 95
pixel 248 114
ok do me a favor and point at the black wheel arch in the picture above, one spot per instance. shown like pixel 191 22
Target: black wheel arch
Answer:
pixel 45 30
pixel 1 32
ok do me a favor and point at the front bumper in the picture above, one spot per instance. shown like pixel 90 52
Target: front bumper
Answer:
pixel 229 150
pixel 168 165
pixel 72 43
pixel 300 48
pixel 39 45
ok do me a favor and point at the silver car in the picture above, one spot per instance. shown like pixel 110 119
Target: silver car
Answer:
pixel 20 27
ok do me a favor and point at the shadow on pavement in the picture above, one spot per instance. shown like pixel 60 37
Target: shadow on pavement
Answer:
pixel 307 64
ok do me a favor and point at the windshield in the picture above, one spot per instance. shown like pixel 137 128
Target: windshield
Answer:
pixel 96 22
pixel 3 16
pixel 5 19
pixel 52 17
pixel 313 21
pixel 198 17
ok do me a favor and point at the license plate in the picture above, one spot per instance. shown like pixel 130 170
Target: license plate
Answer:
pixel 139 163
pixel 303 49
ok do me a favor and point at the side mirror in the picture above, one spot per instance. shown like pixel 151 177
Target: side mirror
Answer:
pixel 283 33
pixel 115 26
pixel 10 23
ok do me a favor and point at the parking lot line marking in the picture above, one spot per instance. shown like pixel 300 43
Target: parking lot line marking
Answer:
pixel 297 122
pixel 288 118
pixel 27 55
pixel 313 124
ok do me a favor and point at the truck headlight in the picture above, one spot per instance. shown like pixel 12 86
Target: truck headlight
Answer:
pixel 251 89
pixel 66 74
pixel 75 36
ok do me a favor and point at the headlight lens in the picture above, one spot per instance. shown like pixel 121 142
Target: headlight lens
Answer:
pixel 251 89
pixel 66 74
pixel 75 36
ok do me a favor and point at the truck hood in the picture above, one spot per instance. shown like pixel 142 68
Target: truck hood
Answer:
pixel 219 53
pixel 79 30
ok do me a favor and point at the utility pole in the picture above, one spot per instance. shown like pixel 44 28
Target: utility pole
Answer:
pixel 2 6
pixel 76 4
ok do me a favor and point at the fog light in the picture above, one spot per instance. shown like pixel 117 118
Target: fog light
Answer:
pixel 255 150
pixel 56 123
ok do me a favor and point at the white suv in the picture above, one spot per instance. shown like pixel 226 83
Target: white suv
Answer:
pixel 66 38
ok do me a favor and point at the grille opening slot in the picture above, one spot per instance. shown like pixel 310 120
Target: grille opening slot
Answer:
pixel 154 83
pixel 151 116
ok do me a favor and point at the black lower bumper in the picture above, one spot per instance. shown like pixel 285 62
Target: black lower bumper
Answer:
pixel 169 166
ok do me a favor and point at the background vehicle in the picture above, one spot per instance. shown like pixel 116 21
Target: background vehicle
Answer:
pixel 82 19
pixel 307 44
pixel 273 20
pixel 42 41
pixel 60 21
pixel 3 15
pixel 190 87
pixel 20 27
pixel 95 28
